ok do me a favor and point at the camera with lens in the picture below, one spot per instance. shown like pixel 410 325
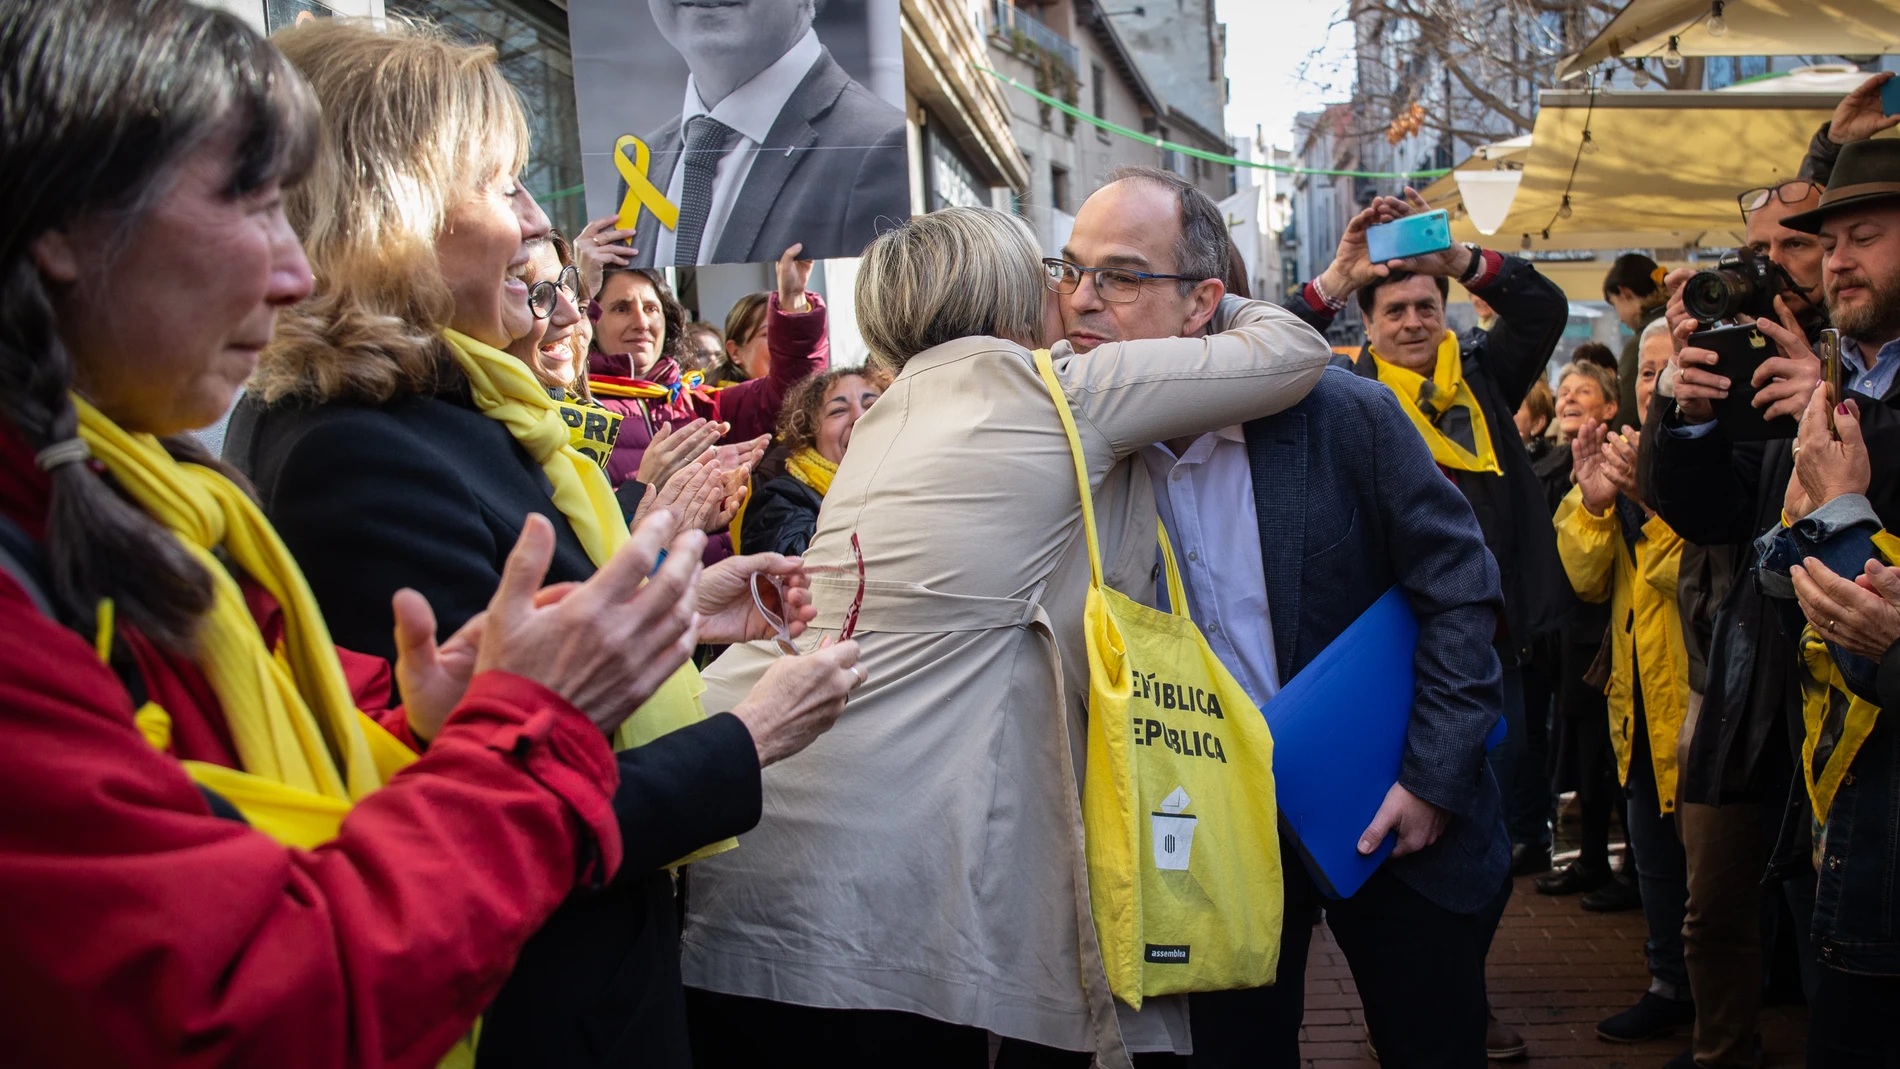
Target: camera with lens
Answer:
pixel 1743 283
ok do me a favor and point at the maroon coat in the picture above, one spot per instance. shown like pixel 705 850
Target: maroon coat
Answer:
pixel 799 350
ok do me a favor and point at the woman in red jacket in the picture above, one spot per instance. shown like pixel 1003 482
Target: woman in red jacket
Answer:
pixel 211 857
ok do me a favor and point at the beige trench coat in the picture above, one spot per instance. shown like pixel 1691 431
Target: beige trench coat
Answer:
pixel 925 855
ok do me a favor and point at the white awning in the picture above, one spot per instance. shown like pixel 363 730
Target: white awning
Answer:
pixel 1754 28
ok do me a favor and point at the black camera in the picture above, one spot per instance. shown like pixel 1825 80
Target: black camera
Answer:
pixel 1743 283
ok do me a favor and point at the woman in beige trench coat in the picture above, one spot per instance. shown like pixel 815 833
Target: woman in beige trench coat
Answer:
pixel 926 855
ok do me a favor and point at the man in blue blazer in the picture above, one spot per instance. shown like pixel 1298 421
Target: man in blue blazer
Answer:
pixel 1287 529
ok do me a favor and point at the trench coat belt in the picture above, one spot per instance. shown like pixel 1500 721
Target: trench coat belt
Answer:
pixel 912 608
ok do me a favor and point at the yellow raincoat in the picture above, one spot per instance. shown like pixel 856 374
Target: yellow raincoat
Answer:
pixel 1645 627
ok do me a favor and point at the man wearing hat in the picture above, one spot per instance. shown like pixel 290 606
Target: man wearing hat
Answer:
pixel 1737 758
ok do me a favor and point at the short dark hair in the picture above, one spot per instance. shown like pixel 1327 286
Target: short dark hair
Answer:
pixel 1635 272
pixel 1205 248
pixel 1593 352
pixel 1368 296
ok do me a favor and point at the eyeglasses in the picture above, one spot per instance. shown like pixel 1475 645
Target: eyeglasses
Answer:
pixel 541 296
pixel 1787 193
pixel 768 596
pixel 1117 284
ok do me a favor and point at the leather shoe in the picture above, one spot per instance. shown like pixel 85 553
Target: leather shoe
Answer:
pixel 1529 858
pixel 1652 1016
pixel 1614 896
pixel 1572 879
pixel 1685 1060
pixel 1502 1043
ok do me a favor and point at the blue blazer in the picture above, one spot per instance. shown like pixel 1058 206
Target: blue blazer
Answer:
pixel 1349 503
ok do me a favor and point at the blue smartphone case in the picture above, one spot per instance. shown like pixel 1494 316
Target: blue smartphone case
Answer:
pixel 1414 235
pixel 1890 97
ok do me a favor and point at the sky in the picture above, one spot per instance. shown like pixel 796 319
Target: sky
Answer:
pixel 1268 41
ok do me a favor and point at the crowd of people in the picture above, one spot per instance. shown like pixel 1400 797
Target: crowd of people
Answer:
pixel 418 727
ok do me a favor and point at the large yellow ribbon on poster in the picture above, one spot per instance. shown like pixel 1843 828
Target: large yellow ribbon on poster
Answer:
pixel 641 190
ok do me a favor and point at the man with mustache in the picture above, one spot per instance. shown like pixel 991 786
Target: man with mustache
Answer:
pixel 1843 247
pixel 775 144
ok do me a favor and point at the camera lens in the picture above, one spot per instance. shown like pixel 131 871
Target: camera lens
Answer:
pixel 1721 293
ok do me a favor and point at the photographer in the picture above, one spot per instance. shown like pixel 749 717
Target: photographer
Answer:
pixel 1715 492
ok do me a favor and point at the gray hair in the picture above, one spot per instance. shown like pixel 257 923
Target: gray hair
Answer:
pixel 1597 373
pixel 1658 325
pixel 1205 248
pixel 955 273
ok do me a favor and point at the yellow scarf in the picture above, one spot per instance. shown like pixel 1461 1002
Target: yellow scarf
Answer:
pixel 1426 402
pixel 591 429
pixel 1829 708
pixel 808 467
pixel 506 392
pixel 299 737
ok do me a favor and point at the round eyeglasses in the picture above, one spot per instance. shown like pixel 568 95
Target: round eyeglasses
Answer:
pixel 1117 284
pixel 1787 193
pixel 542 298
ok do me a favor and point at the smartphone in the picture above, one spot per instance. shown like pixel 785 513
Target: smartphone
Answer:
pixel 1831 370
pixel 1739 350
pixel 1890 97
pixel 1414 235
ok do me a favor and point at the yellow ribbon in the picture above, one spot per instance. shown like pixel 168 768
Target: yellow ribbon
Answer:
pixel 641 190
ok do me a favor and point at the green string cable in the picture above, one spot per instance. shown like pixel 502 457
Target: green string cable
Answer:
pixel 1214 157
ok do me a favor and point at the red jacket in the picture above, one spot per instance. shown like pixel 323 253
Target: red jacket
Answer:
pixel 799 350
pixel 138 929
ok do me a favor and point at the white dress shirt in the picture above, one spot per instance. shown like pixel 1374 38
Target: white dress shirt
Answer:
pixel 1206 501
pixel 751 110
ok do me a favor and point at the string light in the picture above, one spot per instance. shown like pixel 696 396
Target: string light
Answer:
pixel 1525 244
pixel 1564 211
pixel 1672 56
pixel 1641 78
pixel 1717 25
pixel 1589 143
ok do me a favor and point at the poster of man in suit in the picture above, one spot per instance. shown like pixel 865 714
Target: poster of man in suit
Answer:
pixel 724 131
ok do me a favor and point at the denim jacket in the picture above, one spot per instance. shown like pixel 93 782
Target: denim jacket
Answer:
pixel 1857 904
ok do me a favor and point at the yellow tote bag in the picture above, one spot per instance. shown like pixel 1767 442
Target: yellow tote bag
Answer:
pixel 1178 805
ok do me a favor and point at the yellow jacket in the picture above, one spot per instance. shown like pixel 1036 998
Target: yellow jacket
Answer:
pixel 1645 627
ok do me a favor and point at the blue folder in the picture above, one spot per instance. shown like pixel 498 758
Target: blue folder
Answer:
pixel 1338 740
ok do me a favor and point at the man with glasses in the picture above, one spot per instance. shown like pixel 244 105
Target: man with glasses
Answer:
pixel 1287 528
pixel 1740 780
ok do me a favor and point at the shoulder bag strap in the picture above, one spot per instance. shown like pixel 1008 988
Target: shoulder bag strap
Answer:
pixel 1048 371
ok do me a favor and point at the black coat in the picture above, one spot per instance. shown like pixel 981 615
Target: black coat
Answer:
pixel 780 518
pixel 427 493
pixel 1500 366
pixel 1714 492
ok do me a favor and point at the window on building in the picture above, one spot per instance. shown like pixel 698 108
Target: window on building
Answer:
pixel 531 38
pixel 1098 90
pixel 1059 188
pixel 949 178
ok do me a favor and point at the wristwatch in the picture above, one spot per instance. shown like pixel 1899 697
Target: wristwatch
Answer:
pixel 1476 266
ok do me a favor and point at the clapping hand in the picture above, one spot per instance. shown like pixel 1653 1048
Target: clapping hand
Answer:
pixel 1619 452
pixel 1590 466
pixel 607 644
pixel 1861 616
pixel 672 448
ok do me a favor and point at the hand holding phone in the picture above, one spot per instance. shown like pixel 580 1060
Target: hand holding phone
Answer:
pixel 1413 235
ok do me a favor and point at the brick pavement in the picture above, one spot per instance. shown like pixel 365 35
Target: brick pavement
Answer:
pixel 1554 972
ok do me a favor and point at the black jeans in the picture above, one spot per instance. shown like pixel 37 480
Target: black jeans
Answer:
pixel 1851 1025
pixel 1419 969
